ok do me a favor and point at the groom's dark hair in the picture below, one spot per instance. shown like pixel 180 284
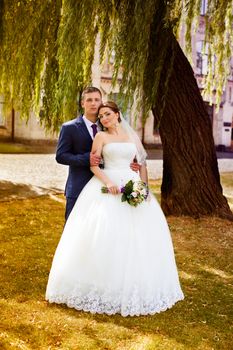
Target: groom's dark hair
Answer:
pixel 90 89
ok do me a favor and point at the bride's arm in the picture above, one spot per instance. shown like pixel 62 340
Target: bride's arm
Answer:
pixel 143 173
pixel 97 147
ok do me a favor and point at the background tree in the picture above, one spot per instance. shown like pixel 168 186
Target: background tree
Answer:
pixel 46 53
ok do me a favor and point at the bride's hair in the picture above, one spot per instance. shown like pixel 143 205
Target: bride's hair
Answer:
pixel 113 106
pixel 133 136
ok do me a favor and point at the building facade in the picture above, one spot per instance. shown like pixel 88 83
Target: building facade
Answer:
pixel 13 128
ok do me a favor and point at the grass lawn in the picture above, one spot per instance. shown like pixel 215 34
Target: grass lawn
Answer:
pixel 30 230
pixel 8 147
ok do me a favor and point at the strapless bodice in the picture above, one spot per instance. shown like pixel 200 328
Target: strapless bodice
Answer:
pixel 118 155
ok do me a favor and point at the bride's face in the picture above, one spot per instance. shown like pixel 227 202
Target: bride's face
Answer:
pixel 108 117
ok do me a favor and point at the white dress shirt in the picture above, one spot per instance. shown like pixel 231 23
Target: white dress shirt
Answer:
pixel 89 124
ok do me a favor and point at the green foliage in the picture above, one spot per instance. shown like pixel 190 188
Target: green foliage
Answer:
pixel 128 189
pixel 219 35
pixel 47 49
pixel 17 148
pixel 28 43
pixel 218 40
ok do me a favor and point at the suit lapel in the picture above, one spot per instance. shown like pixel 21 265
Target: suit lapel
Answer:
pixel 83 128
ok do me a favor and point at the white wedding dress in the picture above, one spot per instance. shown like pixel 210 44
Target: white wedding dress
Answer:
pixel 112 257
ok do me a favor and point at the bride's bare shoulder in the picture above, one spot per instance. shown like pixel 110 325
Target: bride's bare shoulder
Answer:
pixel 100 136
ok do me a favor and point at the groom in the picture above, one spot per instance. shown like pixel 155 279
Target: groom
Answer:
pixel 75 143
pixel 74 146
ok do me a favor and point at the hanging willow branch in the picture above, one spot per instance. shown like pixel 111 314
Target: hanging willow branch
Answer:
pixel 47 49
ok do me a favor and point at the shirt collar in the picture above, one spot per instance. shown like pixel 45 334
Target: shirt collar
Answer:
pixel 89 123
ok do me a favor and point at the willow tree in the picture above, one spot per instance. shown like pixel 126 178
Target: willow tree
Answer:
pixel 47 50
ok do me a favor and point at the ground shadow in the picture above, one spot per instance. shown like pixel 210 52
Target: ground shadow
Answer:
pixel 11 191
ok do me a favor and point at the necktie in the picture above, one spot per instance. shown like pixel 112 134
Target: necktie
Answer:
pixel 94 128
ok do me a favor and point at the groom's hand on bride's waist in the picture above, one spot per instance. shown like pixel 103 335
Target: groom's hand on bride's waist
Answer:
pixel 135 166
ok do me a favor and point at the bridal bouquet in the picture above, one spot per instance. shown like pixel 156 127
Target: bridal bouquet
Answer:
pixel 134 192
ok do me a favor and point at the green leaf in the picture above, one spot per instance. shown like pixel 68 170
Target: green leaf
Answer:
pixel 123 198
pixel 128 188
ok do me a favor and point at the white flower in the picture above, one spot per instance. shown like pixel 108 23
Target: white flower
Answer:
pixel 137 185
pixel 134 194
pixel 144 192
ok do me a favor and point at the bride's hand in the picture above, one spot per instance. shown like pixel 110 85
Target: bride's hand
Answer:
pixel 112 188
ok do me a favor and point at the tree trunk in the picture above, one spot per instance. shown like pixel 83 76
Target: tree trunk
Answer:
pixel 191 182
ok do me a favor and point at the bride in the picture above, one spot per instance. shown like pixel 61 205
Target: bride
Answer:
pixel 113 257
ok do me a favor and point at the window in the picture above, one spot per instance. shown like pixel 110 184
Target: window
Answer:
pixel 204 4
pixel 230 95
pixel 2 117
pixel 232 131
pixel 231 71
pixel 202 58
pixel 209 110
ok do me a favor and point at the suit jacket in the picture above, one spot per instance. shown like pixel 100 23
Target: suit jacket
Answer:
pixel 73 149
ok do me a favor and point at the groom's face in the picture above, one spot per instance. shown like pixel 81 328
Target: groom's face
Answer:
pixel 90 103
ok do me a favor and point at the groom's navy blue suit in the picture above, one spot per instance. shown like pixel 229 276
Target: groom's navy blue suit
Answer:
pixel 73 149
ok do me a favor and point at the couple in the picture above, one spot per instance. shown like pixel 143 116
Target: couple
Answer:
pixel 112 257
